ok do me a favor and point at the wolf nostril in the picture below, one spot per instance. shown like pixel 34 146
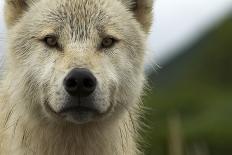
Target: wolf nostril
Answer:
pixel 71 84
pixel 88 83
pixel 80 82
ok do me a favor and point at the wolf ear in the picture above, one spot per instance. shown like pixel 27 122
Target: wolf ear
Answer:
pixel 14 9
pixel 142 10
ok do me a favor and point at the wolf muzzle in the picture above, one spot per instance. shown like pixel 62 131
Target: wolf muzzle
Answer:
pixel 80 85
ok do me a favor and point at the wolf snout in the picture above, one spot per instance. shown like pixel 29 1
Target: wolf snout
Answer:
pixel 80 82
pixel 80 106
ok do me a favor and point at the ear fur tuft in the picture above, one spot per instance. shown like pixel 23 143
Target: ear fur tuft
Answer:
pixel 142 10
pixel 14 10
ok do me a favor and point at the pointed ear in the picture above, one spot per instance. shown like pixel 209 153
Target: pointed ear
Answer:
pixel 142 10
pixel 14 9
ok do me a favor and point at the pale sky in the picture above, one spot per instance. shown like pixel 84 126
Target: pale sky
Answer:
pixel 176 23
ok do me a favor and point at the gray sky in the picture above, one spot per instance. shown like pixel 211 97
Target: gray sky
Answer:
pixel 176 23
pixel 2 29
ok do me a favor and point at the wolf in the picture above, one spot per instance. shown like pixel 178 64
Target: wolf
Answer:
pixel 73 76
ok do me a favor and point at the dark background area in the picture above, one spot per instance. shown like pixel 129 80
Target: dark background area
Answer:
pixel 190 99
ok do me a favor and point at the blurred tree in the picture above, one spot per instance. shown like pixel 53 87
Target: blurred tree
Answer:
pixel 198 86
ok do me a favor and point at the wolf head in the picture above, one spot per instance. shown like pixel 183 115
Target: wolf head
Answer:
pixel 76 61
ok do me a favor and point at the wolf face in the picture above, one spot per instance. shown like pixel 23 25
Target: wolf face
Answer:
pixel 77 61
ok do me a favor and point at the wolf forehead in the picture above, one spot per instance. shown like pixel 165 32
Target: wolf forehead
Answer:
pixel 135 14
pixel 80 17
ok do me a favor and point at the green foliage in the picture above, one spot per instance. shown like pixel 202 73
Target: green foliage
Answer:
pixel 198 86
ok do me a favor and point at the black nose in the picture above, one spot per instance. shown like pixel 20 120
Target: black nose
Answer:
pixel 80 82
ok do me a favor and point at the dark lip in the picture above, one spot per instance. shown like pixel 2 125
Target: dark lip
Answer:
pixel 77 109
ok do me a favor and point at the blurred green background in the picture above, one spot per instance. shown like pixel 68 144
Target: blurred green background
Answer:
pixel 190 99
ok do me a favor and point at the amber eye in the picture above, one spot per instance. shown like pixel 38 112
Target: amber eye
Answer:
pixel 51 41
pixel 108 42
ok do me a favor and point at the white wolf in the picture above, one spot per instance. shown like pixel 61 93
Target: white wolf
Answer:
pixel 73 76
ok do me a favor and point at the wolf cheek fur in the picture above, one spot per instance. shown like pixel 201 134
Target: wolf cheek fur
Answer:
pixel 50 40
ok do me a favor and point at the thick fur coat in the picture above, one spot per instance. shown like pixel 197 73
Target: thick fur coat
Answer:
pixel 31 90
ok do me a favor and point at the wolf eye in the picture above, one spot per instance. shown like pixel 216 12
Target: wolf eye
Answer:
pixel 51 41
pixel 108 42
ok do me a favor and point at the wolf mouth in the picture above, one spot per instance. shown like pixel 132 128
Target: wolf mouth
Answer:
pixel 78 109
